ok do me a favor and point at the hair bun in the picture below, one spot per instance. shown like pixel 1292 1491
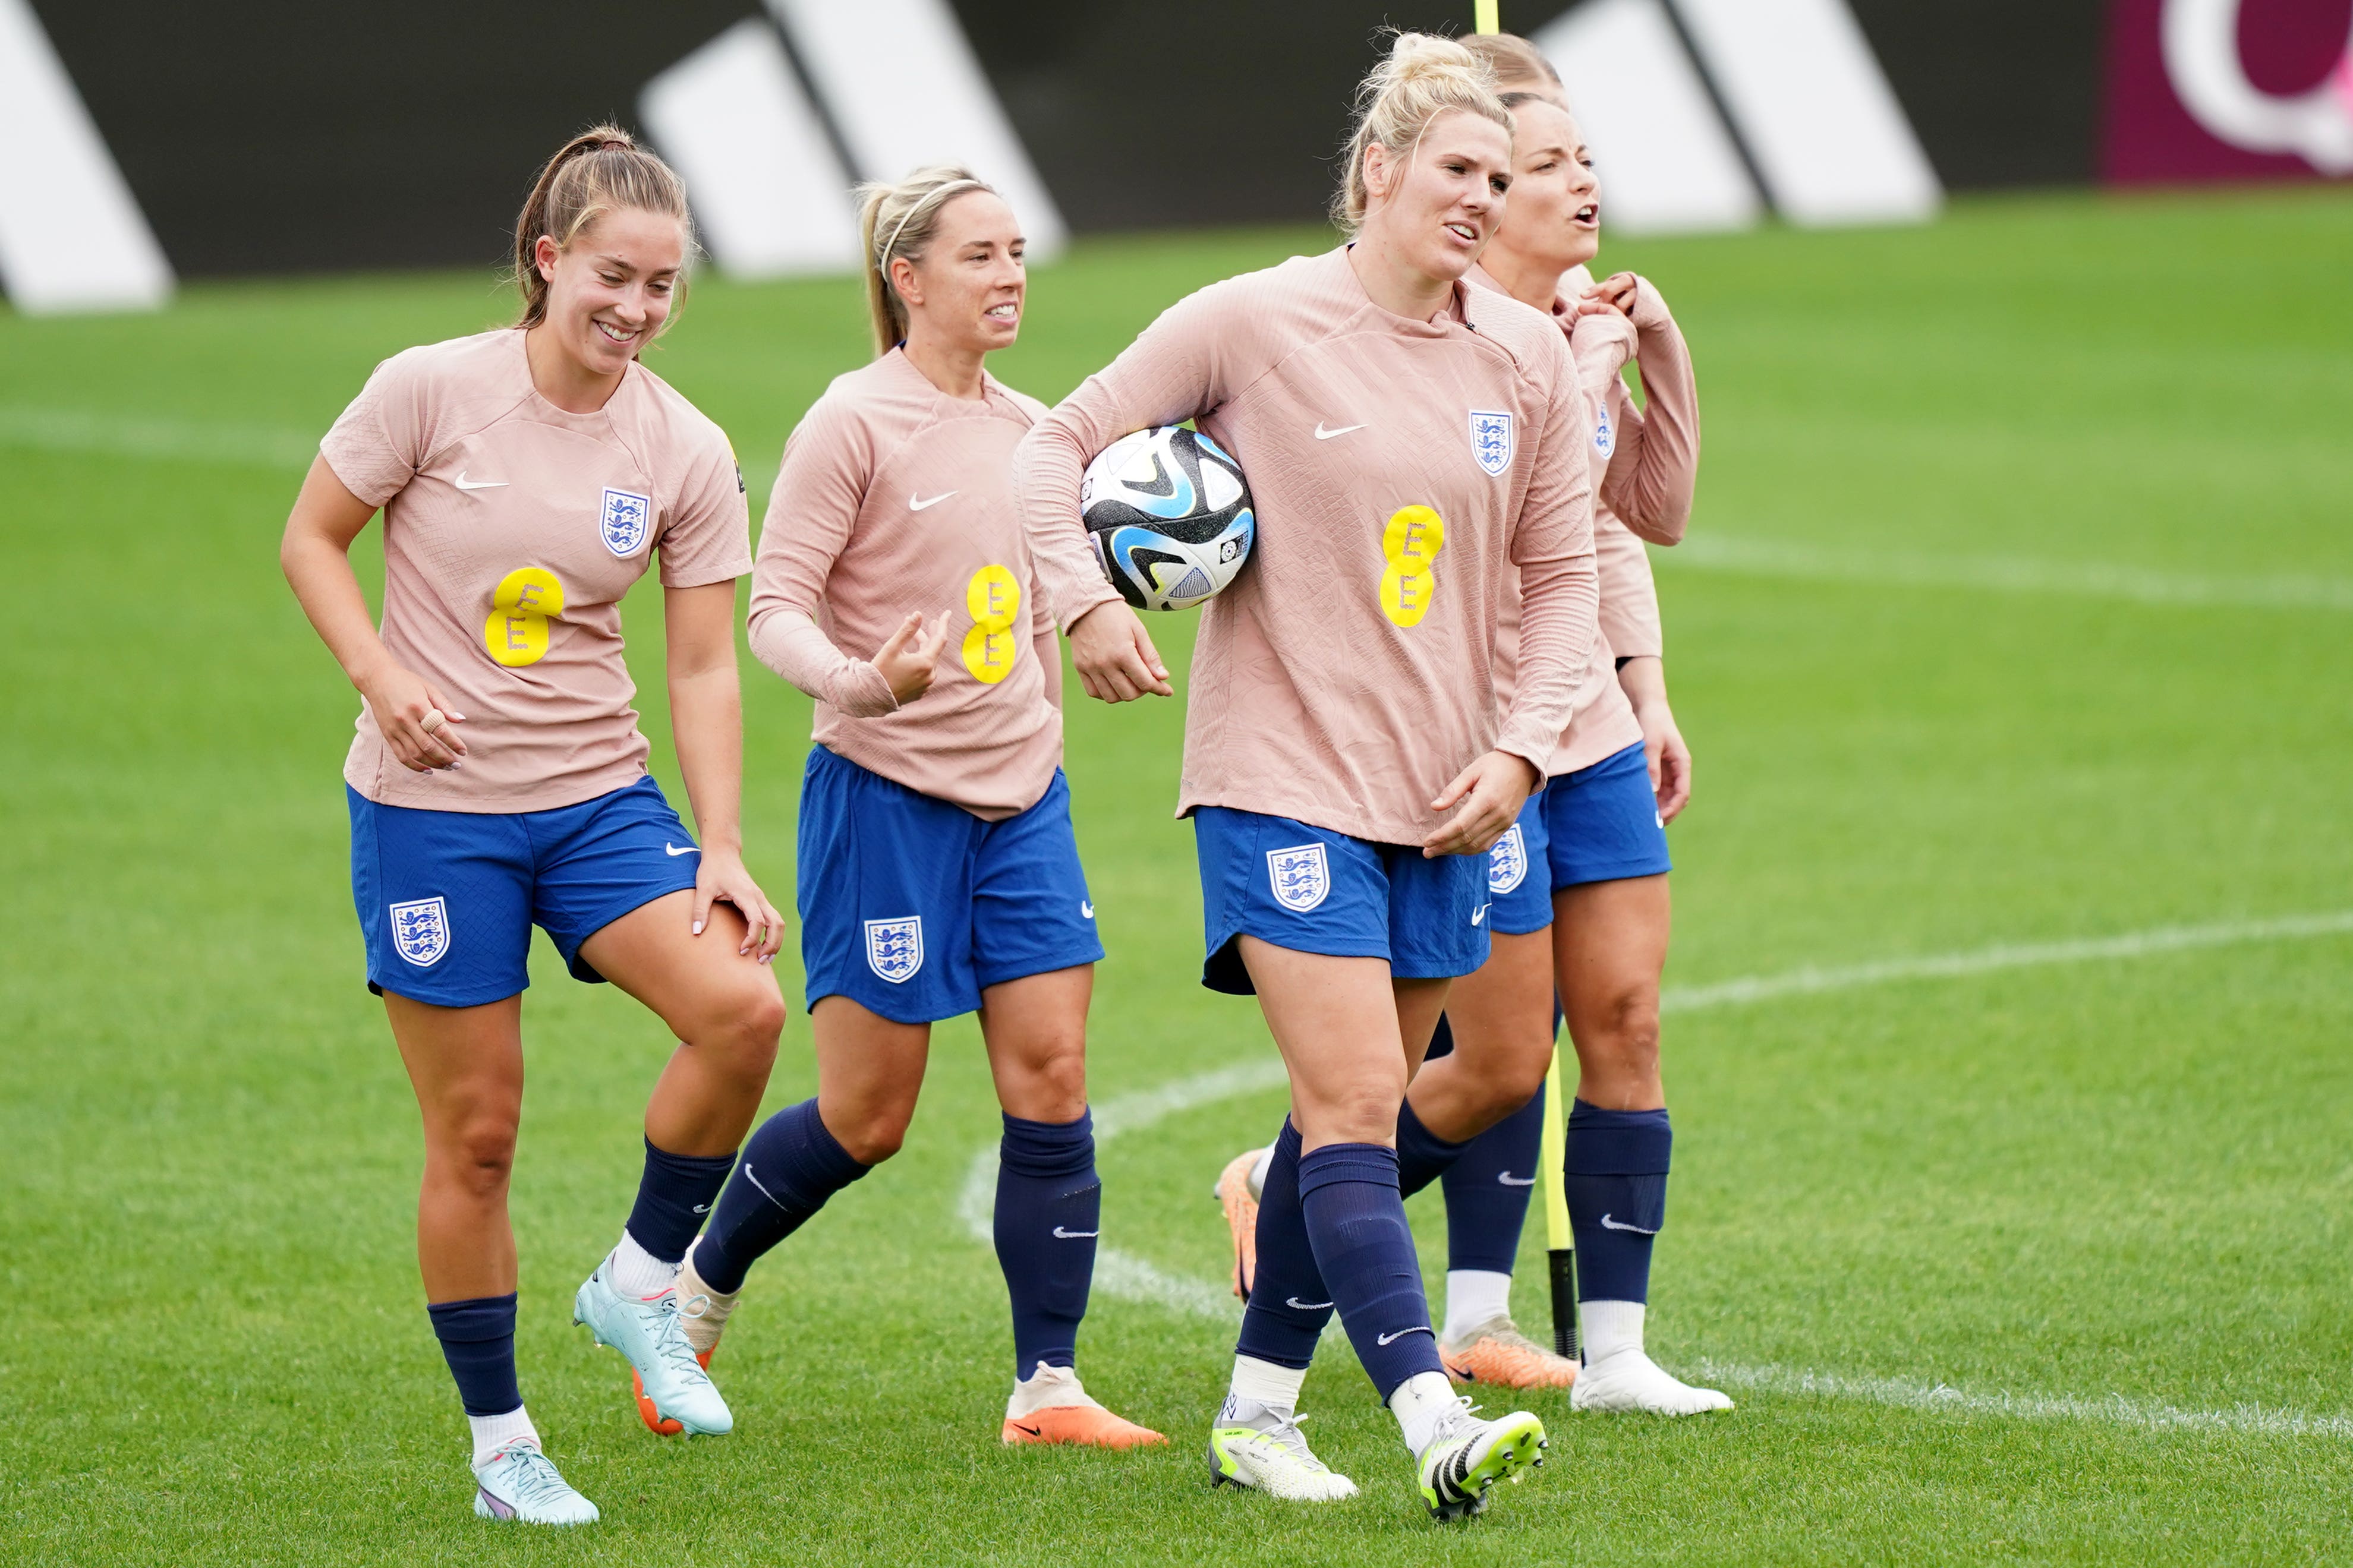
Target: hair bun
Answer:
pixel 1417 56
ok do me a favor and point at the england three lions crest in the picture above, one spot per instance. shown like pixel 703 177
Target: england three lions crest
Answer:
pixel 625 519
pixel 1507 862
pixel 1300 877
pixel 894 948
pixel 1491 441
pixel 420 930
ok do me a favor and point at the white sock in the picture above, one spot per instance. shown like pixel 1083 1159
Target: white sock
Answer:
pixel 1609 1327
pixel 1276 1387
pixel 1474 1296
pixel 492 1433
pixel 1258 1174
pixel 636 1272
pixel 1418 1403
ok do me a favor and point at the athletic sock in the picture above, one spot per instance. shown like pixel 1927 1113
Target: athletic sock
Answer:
pixel 633 1271
pixel 1356 1222
pixel 1422 1155
pixel 1264 1383
pixel 1420 1403
pixel 790 1165
pixel 1474 1297
pixel 1288 1305
pixel 1616 1183
pixel 1048 1213
pixel 492 1433
pixel 476 1338
pixel 1487 1189
pixel 673 1195
pixel 1607 1327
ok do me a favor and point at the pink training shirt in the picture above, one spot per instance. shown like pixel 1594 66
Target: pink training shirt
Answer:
pixel 1411 479
pixel 511 531
pixel 893 497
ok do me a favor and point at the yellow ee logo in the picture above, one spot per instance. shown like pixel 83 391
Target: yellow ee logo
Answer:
pixel 516 633
pixel 1410 544
pixel 994 597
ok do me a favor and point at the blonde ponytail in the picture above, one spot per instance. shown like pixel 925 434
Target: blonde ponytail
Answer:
pixel 1423 76
pixel 601 170
pixel 899 220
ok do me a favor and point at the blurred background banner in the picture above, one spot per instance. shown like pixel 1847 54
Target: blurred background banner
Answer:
pixel 275 136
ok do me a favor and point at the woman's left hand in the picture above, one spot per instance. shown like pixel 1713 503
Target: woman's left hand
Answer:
pixel 1670 759
pixel 723 876
pixel 1491 792
pixel 1614 292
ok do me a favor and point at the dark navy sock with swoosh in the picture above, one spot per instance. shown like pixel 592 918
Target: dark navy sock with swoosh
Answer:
pixel 1288 1304
pixel 1355 1221
pixel 673 1195
pixel 790 1165
pixel 1487 1189
pixel 1422 1155
pixel 476 1338
pixel 1615 1176
pixel 1048 1213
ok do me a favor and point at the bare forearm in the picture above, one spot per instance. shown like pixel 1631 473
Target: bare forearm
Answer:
pixel 706 716
pixel 1643 680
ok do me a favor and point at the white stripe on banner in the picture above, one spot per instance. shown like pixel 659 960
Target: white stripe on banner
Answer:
pixel 71 235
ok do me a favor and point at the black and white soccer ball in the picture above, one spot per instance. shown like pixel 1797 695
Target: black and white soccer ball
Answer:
pixel 1169 515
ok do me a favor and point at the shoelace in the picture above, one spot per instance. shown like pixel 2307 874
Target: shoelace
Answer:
pixel 669 1342
pixel 534 1476
pixel 695 1306
pixel 1451 1424
pixel 1295 1443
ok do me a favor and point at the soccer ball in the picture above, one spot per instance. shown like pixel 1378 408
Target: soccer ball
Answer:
pixel 1169 515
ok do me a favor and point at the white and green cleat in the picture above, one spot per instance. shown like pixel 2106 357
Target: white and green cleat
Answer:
pixel 1256 1445
pixel 648 1333
pixel 520 1483
pixel 1467 1455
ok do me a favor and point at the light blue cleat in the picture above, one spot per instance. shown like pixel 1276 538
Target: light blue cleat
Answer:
pixel 650 1334
pixel 520 1483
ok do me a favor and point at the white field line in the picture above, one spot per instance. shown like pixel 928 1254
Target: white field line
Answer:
pixel 172 440
pixel 1131 1278
pixel 2010 574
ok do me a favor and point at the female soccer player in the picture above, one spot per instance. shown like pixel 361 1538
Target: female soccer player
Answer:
pixel 527 476
pixel 938 872
pixel 1417 455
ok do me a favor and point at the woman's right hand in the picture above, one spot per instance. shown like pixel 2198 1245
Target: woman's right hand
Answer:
pixel 1114 655
pixel 414 721
pixel 910 657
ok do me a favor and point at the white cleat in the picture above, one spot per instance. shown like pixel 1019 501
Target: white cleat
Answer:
pixel 1628 1380
pixel 1467 1455
pixel 670 1378
pixel 520 1483
pixel 1255 1445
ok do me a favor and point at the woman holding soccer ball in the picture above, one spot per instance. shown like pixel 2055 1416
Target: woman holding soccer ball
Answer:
pixel 1418 454
pixel 527 478
pixel 938 874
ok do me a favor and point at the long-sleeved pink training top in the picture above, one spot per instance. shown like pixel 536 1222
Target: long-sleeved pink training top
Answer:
pixel 895 497
pixel 512 528
pixel 1650 462
pixel 1401 471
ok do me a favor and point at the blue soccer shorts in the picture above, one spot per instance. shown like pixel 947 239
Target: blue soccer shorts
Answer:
pixel 1519 880
pixel 447 899
pixel 1314 890
pixel 1602 823
pixel 911 906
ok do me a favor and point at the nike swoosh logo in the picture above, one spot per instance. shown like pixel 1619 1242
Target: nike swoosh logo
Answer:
pixel 702 1208
pixel 1074 1234
pixel 1478 915
pixel 461 482
pixel 1086 909
pixel 917 503
pixel 1323 435
pixel 1033 1431
pixel 673 849
pixel 1510 1180
pixel 1314 1307
pixel 1401 1334
pixel 1609 1224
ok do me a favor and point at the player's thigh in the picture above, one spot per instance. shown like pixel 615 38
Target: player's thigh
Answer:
pixel 1036 1031
pixel 870 1073
pixel 1336 1021
pixel 708 991
pixel 465 1066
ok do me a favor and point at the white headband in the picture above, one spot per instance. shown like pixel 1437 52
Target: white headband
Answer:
pixel 938 193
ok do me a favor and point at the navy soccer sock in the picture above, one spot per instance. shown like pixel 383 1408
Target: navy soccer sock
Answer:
pixel 1356 1220
pixel 1288 1304
pixel 1616 1182
pixel 476 1338
pixel 673 1195
pixel 1487 1189
pixel 790 1165
pixel 1049 1211
pixel 1422 1155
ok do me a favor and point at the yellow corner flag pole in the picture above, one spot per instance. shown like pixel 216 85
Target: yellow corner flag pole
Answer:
pixel 1486 12
pixel 1560 1246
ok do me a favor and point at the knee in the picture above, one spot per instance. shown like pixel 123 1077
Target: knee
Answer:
pixel 1621 1046
pixel 479 1157
pixel 1058 1084
pixel 1365 1113
pixel 743 1025
pixel 871 1134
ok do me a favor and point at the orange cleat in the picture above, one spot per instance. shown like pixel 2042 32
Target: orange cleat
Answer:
pixel 1089 1425
pixel 1241 1216
pixel 646 1412
pixel 1497 1353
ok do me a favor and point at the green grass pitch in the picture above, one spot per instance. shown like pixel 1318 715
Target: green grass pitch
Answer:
pixel 2017 613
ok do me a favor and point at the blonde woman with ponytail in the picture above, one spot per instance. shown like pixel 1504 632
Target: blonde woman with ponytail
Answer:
pixel 938 874
pixel 527 478
pixel 1418 461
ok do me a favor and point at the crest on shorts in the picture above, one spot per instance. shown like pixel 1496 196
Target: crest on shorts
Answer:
pixel 420 930
pixel 1491 441
pixel 894 948
pixel 624 521
pixel 1507 862
pixel 1605 434
pixel 1300 877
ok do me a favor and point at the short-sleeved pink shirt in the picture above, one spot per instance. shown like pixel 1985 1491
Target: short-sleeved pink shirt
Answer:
pixel 511 531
